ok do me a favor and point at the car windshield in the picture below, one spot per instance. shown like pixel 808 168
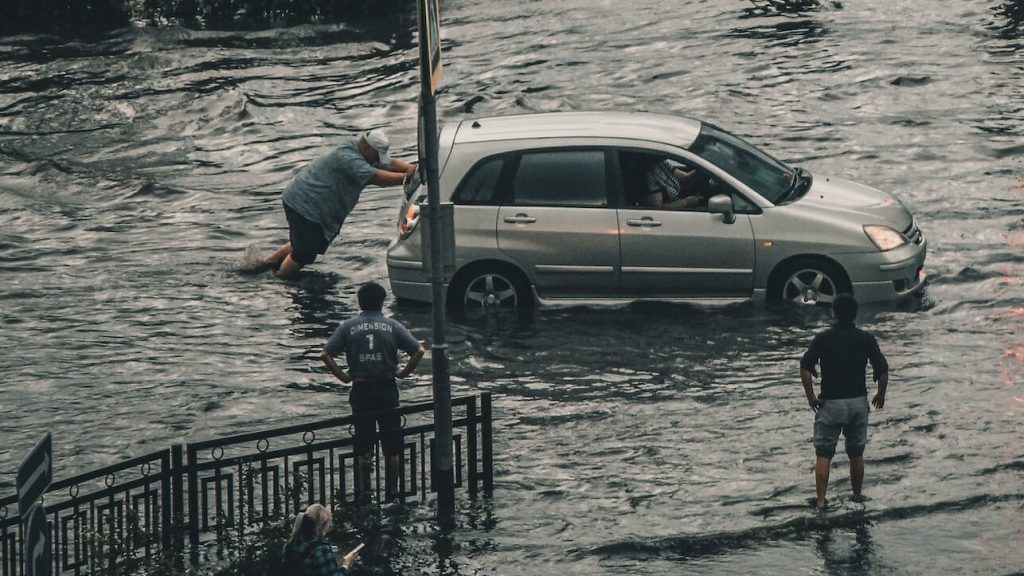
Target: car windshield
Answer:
pixel 765 175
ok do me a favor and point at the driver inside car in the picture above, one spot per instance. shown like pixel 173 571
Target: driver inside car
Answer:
pixel 669 187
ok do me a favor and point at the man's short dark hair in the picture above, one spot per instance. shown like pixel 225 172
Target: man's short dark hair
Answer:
pixel 844 307
pixel 371 296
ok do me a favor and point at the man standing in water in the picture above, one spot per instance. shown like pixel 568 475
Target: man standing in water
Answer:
pixel 844 351
pixel 323 193
pixel 371 343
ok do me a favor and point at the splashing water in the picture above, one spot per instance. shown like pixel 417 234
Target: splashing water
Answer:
pixel 252 261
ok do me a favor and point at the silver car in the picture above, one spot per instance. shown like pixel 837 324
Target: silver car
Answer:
pixel 549 209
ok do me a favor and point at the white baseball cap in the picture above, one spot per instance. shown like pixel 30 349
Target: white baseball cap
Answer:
pixel 377 140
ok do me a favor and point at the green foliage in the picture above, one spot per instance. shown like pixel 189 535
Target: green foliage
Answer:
pixel 230 13
pixel 54 16
pixel 260 553
pixel 109 545
pixel 59 15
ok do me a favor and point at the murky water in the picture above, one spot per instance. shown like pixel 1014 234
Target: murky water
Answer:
pixel 136 168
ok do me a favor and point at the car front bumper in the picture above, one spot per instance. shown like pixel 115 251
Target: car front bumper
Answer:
pixel 900 275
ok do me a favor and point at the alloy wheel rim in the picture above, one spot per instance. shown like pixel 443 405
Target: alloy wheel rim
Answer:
pixel 491 291
pixel 810 287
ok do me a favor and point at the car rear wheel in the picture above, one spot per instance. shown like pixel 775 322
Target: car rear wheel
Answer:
pixel 809 283
pixel 491 290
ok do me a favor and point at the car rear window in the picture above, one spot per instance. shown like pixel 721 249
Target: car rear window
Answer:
pixel 481 186
pixel 561 178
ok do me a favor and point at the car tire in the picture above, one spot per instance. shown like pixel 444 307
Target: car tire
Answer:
pixel 807 282
pixel 490 290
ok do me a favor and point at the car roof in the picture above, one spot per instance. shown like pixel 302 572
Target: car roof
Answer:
pixel 647 126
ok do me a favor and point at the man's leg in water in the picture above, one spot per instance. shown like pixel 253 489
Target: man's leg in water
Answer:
pixel 362 470
pixel 821 470
pixel 289 268
pixel 275 259
pixel 391 477
pixel 282 260
pixel 857 477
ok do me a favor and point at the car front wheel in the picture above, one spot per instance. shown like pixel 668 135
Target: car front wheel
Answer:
pixel 809 283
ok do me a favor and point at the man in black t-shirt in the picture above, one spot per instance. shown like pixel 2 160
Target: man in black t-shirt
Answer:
pixel 842 407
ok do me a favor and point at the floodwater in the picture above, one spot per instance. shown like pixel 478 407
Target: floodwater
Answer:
pixel 135 168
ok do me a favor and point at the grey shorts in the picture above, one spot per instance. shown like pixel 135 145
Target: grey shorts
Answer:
pixel 848 416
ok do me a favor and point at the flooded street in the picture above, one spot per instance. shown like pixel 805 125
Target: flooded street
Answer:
pixel 135 168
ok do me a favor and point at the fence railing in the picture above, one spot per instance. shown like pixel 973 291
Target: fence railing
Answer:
pixel 189 495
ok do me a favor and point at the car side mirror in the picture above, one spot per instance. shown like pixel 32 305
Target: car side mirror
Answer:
pixel 722 204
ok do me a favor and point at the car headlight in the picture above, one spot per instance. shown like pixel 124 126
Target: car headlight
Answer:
pixel 410 218
pixel 885 238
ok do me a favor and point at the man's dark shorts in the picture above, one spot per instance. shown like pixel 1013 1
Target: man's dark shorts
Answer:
pixel 306 236
pixel 848 416
pixel 371 397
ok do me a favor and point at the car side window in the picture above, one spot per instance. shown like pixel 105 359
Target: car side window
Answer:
pixel 743 206
pixel 560 178
pixel 481 186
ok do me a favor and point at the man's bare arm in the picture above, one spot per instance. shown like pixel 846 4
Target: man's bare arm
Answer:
pixel 334 368
pixel 656 201
pixel 812 399
pixel 414 360
pixel 388 178
pixel 402 166
pixel 883 382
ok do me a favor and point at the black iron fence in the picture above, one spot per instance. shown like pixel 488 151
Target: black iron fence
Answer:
pixel 189 495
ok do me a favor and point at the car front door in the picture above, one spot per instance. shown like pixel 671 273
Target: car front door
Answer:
pixel 557 225
pixel 685 253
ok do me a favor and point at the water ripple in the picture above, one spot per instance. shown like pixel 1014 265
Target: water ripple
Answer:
pixel 137 167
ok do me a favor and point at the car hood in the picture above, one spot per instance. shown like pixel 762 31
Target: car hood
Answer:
pixel 866 204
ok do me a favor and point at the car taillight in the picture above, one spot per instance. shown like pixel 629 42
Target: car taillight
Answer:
pixel 410 218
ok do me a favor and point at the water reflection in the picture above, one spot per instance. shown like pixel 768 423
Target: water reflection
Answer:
pixel 394 544
pixel 226 116
pixel 781 7
pixel 444 549
pixel 318 305
pixel 794 30
pixel 45 49
pixel 398 33
pixel 1009 18
pixel 843 555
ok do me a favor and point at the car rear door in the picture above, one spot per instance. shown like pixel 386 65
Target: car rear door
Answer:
pixel 557 225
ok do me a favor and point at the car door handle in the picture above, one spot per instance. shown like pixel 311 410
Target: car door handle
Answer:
pixel 645 221
pixel 520 219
